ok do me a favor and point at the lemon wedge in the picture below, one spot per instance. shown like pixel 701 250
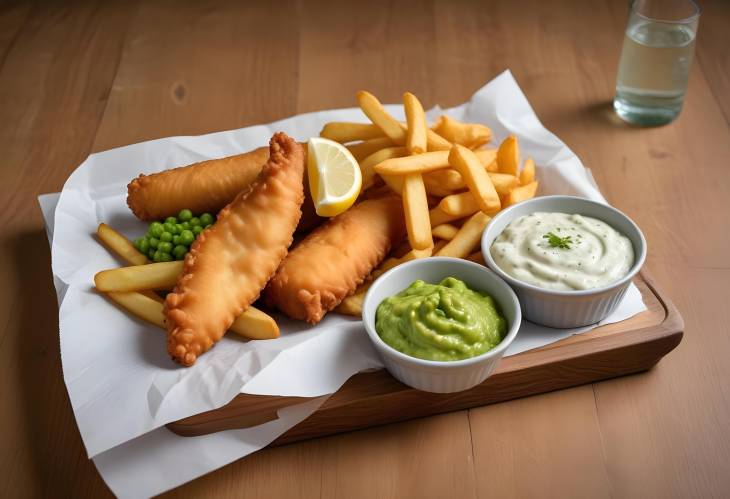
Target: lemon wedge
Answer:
pixel 334 176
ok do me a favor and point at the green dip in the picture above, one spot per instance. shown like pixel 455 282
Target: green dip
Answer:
pixel 445 321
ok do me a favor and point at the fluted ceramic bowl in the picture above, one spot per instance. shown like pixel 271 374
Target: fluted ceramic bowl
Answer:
pixel 430 375
pixel 567 309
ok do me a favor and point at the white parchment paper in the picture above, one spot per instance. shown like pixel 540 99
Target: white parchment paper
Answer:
pixel 123 386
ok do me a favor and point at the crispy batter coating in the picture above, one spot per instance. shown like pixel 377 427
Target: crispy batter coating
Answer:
pixel 229 264
pixel 329 264
pixel 201 187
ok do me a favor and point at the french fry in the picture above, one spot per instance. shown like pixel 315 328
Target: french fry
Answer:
pixel 420 163
pixel 508 156
pixel 395 182
pixel 475 177
pixel 444 182
pixel 140 306
pixel 503 182
pixel 467 239
pixel 444 231
pixel 522 193
pixel 477 257
pixel 434 188
pixel 487 157
pixel 252 324
pixel 255 325
pixel 375 111
pixel 415 205
pixel 389 263
pixel 343 132
pixel 448 178
pixel 439 216
pixel 469 135
pixel 367 166
pixel 352 305
pixel 459 205
pixel 416 137
pixel 527 174
pixel 436 142
pixel 161 275
pixel 120 245
pixel 364 149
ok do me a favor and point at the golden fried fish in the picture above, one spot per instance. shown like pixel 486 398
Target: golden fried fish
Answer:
pixel 201 187
pixel 329 264
pixel 230 263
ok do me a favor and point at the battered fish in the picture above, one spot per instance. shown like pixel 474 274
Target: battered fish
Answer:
pixel 334 259
pixel 204 187
pixel 229 264
pixel 201 187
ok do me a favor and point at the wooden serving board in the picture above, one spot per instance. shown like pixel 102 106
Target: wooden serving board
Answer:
pixel 375 398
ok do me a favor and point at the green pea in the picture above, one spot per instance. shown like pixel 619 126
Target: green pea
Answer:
pixel 207 226
pixel 166 237
pixel 185 225
pixel 165 247
pixel 154 242
pixel 171 220
pixel 178 228
pixel 187 237
pixel 155 229
pixel 194 221
pixel 185 215
pixel 144 245
pixel 206 219
pixel 179 252
pixel 197 230
pixel 165 257
pixel 151 253
pixel 168 227
pixel 136 242
pixel 175 240
pixel 156 257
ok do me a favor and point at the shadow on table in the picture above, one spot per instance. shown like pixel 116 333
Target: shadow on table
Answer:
pixel 51 436
pixel 602 113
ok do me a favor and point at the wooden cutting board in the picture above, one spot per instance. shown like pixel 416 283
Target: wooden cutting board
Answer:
pixel 375 398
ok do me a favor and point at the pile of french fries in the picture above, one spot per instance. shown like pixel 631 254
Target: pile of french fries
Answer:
pixel 135 287
pixel 450 180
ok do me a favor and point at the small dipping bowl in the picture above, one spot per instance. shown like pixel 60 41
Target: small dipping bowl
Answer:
pixel 567 309
pixel 430 375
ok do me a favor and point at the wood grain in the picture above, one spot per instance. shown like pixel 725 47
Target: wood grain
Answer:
pixel 137 72
pixel 54 80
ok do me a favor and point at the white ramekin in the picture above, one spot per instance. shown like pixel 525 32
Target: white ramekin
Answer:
pixel 429 375
pixel 566 309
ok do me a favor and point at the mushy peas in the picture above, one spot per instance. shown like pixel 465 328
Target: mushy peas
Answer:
pixel 442 322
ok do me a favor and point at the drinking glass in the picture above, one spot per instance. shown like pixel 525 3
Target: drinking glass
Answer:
pixel 654 67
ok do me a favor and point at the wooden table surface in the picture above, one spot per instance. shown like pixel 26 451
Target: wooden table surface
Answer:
pixel 89 76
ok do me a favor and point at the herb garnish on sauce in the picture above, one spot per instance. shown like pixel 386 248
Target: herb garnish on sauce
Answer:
pixel 558 242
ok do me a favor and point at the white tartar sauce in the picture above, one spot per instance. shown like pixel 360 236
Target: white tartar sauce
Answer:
pixel 563 252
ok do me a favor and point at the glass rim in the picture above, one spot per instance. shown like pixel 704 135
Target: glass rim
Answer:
pixel 686 20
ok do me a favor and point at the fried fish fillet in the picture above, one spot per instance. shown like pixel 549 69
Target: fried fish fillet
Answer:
pixel 335 258
pixel 201 187
pixel 204 187
pixel 230 263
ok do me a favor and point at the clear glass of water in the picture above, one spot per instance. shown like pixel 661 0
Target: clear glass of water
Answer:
pixel 655 60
